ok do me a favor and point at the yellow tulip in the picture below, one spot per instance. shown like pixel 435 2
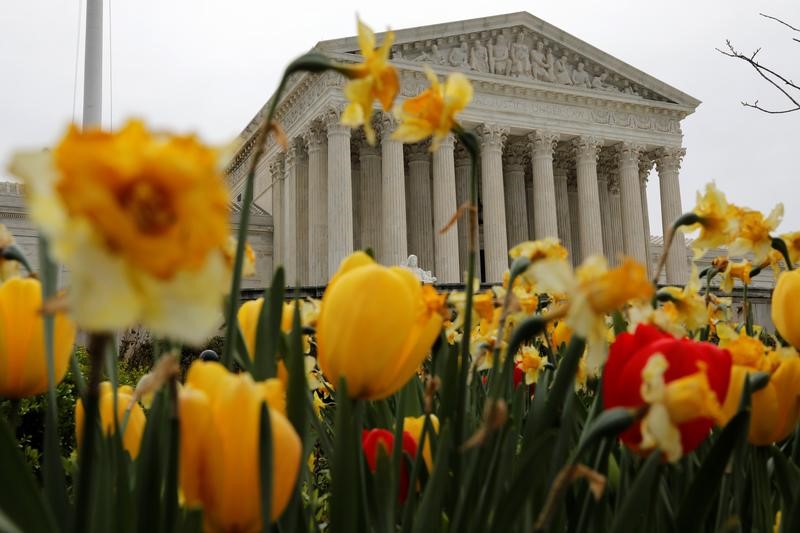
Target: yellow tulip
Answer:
pixel 248 323
pixel 375 327
pixel 561 334
pixel 432 112
pixel 785 310
pixel 414 426
pixel 23 361
pixel 132 438
pixel 219 421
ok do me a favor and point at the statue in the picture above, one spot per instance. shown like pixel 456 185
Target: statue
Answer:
pixel 627 88
pixel 424 276
pixel 499 61
pixel 479 57
pixel 397 54
pixel 539 65
pixel 520 61
pixel 551 62
pixel 563 71
pixel 439 57
pixel 580 77
pixel 599 82
pixel 459 56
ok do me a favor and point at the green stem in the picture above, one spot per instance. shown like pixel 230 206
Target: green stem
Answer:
pixel 244 221
pixel 91 428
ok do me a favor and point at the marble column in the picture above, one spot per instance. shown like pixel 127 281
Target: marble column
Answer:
pixel 369 204
pixel 574 219
pixel 615 203
pixel 529 202
pixel 340 192
pixel 355 180
pixel 317 215
pixel 495 244
pixel 463 170
pixel 419 209
pixel 645 164
pixel 515 193
pixel 301 213
pixel 605 214
pixel 276 171
pixel 543 144
pixel 394 242
pixel 290 215
pixel 560 168
pixel 668 164
pixel 632 223
pixel 445 245
pixel 590 223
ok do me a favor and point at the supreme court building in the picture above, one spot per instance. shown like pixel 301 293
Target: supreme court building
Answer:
pixel 568 136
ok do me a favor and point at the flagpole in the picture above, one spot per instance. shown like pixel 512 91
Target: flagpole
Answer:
pixel 93 66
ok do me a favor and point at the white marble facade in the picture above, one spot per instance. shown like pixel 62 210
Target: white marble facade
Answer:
pixel 568 133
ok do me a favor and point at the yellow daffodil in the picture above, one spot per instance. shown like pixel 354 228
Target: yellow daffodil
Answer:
pixel 531 363
pixel 754 233
pixel 376 325
pixel 593 291
pixel 671 404
pixel 433 112
pixel 249 263
pixel 141 222
pixel 776 407
pixel 414 426
pixel 374 79
pixel 23 362
pixel 785 308
pixel 731 270
pixel 549 248
pixel 132 438
pixel 685 305
pixel 219 456
pixel 718 221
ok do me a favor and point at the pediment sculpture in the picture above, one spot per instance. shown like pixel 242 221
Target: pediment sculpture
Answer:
pixel 519 53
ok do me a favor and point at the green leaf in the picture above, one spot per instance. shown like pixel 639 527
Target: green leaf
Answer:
pixel 610 422
pixel 21 503
pixel 314 62
pixel 344 506
pixel 265 466
pixel 149 469
pixel 635 505
pixel 268 329
pixel 170 502
pixel 620 326
pixel 562 384
pixel 702 492
pixel 297 396
pixel 519 266
pixel 787 476
pixel 429 513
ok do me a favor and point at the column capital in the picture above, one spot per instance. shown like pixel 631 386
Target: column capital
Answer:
pixel 628 153
pixel 572 182
pixel 587 147
pixel 669 159
pixel 515 156
pixel 418 151
pixel 492 136
pixel 562 159
pixel 542 143
pixel 448 142
pixel 314 135
pixel 384 123
pixel 606 164
pixel 331 117
pixel 292 153
pixel 645 165
pixel 276 166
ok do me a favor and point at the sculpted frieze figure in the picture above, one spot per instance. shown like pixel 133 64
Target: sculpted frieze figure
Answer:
pixel 542 70
pixel 499 59
pixel 439 56
pixel 520 60
pixel 459 56
pixel 479 57
pixel 599 83
pixel 580 77
pixel 563 70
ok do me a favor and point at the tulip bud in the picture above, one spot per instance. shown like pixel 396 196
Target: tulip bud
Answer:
pixel 132 437
pixel 372 440
pixel 785 308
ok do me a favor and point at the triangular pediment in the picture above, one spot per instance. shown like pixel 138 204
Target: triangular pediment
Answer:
pixel 522 47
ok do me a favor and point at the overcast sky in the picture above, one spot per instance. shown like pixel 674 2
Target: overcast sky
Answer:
pixel 207 66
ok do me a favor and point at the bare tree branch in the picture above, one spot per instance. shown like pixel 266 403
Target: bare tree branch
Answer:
pixel 767 74
pixel 781 21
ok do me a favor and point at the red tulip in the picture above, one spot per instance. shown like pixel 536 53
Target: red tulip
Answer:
pixel 622 380
pixel 371 439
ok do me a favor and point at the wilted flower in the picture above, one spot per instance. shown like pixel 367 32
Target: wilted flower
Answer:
pixel 132 437
pixel 433 112
pixel 376 325
pixel 680 383
pixel 141 221
pixel 219 457
pixel 23 360
pixel 374 79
